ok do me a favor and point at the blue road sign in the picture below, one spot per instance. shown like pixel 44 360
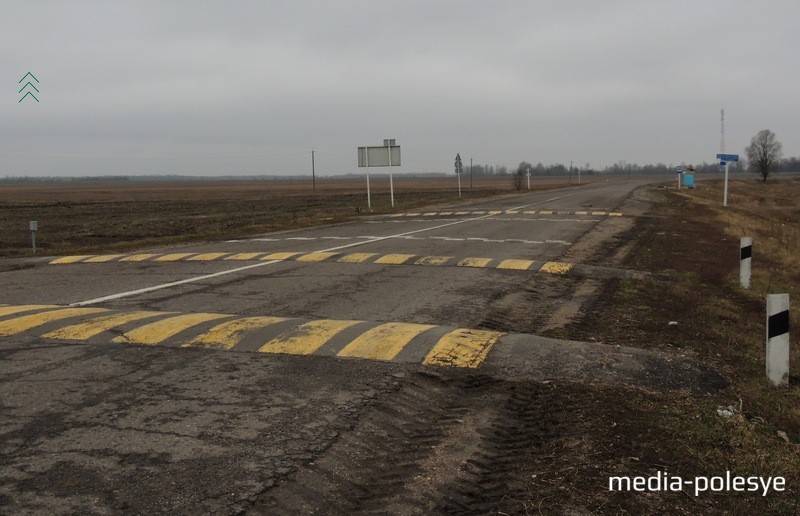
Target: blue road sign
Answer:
pixel 728 157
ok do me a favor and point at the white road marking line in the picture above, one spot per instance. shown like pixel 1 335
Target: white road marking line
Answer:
pixel 262 264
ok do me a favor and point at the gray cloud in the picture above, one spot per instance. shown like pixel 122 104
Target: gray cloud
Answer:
pixel 250 87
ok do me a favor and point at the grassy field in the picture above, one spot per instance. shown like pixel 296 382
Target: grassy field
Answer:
pixel 690 236
pixel 86 217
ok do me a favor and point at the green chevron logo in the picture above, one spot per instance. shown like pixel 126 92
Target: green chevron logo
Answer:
pixel 30 86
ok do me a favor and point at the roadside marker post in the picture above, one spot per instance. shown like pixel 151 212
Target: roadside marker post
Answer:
pixel 680 176
pixel 745 259
pixel 726 159
pixel 529 178
pixel 34 226
pixel 458 167
pixel 778 339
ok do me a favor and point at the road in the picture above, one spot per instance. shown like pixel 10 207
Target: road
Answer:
pixel 364 366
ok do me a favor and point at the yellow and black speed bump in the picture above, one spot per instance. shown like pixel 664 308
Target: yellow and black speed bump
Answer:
pixel 386 341
pixel 461 213
pixel 507 264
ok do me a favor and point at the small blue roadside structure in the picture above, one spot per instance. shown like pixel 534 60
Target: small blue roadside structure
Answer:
pixel 688 178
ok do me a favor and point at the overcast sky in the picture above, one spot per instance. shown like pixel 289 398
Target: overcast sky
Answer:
pixel 249 87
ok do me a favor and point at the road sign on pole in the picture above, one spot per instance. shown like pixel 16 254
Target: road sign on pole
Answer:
pixel 726 159
pixel 458 172
pixel 387 155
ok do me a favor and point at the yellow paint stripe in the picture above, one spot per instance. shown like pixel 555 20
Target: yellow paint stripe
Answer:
pixel 243 256
pixel 530 212
pixel 512 212
pixel 159 331
pixel 581 213
pixel 462 213
pixel 429 214
pixel 412 214
pixel 462 348
pixel 495 212
pixel 478 212
pixel 397 215
pixel 474 262
pixel 9 310
pixel 520 265
pixel 279 256
pixel 598 213
pixel 383 342
pixel 615 214
pixel 174 257
pixel 89 329
pixel 103 258
pixel 556 267
pixel 26 322
pixel 229 334
pixel 315 257
pixel 205 257
pixel 356 257
pixel 394 259
pixel 306 338
pixel 138 257
pixel 70 259
pixel 433 260
pixel 546 212
pixel 446 213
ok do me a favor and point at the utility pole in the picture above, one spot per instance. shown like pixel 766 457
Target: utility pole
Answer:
pixel 313 173
pixel 470 173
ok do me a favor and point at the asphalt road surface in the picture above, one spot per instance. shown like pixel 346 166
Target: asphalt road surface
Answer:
pixel 346 368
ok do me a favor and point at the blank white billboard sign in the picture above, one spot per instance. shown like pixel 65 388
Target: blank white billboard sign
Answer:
pixel 378 156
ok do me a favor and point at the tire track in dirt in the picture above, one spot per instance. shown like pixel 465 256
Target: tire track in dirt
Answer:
pixel 453 445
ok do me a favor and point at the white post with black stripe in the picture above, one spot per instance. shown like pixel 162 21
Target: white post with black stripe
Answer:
pixel 778 339
pixel 745 257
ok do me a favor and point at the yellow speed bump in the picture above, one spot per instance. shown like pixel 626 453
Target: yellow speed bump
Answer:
pixel 9 310
pixel 433 260
pixel 556 267
pixel 474 262
pixel 103 258
pixel 27 322
pixel 137 257
pixel 243 256
pixel 306 338
pixel 545 212
pixel 614 214
pixel 315 257
pixel 462 348
pixel 517 265
pixel 207 257
pixel 159 331
pixel 394 259
pixel 279 256
pixel 174 257
pixel 89 329
pixel 70 259
pixel 356 257
pixel 229 334
pixel 383 342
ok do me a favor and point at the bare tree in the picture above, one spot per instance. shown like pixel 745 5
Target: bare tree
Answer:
pixel 518 174
pixel 764 152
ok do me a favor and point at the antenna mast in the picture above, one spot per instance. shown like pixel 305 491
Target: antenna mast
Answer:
pixel 722 131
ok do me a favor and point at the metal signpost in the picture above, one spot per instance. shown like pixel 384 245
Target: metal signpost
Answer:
pixel 458 173
pixel 529 178
pixel 387 155
pixel 725 159
pixel 679 170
